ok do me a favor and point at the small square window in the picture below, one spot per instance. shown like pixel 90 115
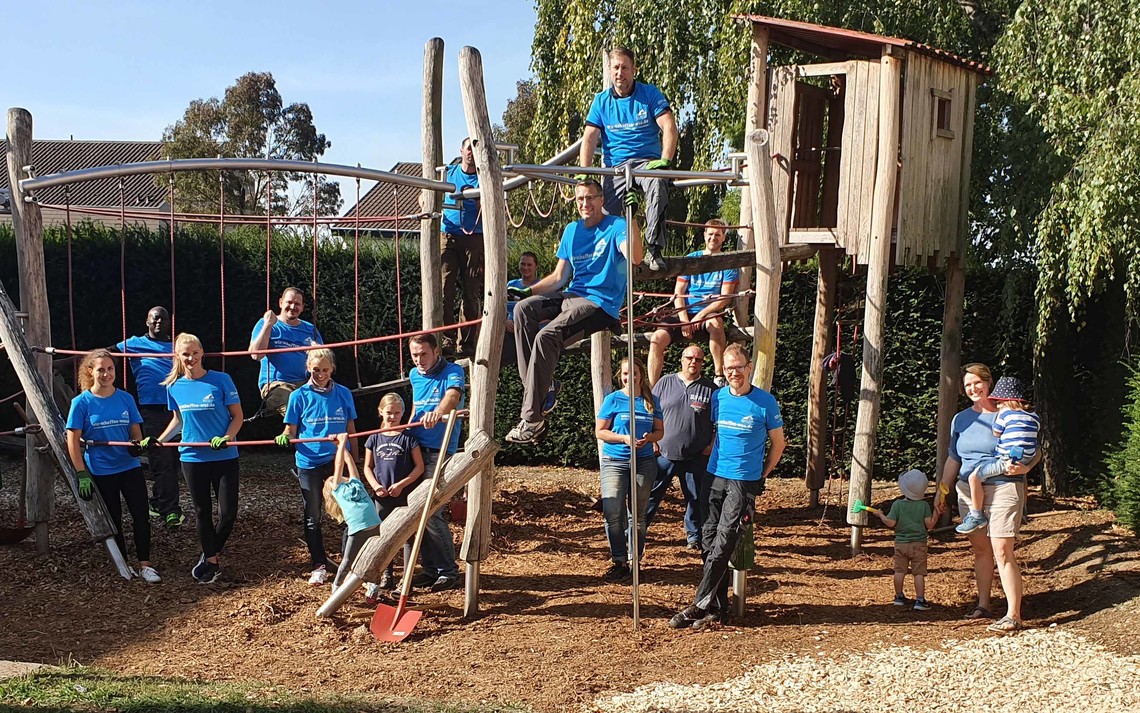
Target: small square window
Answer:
pixel 940 110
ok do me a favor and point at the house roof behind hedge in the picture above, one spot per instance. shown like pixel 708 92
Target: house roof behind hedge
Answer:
pixel 53 156
pixel 380 201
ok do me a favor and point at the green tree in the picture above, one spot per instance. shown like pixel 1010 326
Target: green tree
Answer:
pixel 250 121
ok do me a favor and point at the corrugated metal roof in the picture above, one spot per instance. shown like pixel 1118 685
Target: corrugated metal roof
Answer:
pixel 51 156
pixel 839 43
pixel 379 200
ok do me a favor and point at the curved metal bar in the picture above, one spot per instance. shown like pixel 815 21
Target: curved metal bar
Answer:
pixel 544 171
pixel 229 164
pixel 558 159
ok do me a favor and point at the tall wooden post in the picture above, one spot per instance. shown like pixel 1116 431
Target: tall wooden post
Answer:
pixel 489 349
pixel 740 306
pixel 28 225
pixel 878 263
pixel 816 473
pixel 769 268
pixel 432 139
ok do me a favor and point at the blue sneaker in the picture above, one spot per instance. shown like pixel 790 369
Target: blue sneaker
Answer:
pixel 551 399
pixel 970 523
pixel 900 600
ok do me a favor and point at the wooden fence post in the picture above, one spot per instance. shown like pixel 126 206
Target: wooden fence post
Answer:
pixel 816 472
pixel 489 349
pixel 431 201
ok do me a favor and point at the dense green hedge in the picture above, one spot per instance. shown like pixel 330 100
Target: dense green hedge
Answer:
pixel 999 314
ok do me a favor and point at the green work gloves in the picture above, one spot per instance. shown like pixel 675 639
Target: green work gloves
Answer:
pixel 219 442
pixel 135 449
pixel 632 199
pixel 282 441
pixel 86 485
pixel 580 178
pixel 519 293
pixel 658 163
pixel 149 442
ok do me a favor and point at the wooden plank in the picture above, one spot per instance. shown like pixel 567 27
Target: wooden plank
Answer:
pixel 781 127
pixel 808 169
pixel 815 236
pixel 917 227
pixel 823 69
pixel 871 157
pixel 740 307
pixel 958 247
pixel 815 472
pixel 489 348
pixel 431 139
pixel 854 120
pixel 878 264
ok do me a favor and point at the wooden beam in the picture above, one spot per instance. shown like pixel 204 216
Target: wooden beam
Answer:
pixel 950 361
pixel 815 474
pixel 823 69
pixel 745 244
pixel 878 267
pixel 769 266
pixel 431 138
pixel 821 236
pixel 720 261
pixel 489 348
pixel 27 223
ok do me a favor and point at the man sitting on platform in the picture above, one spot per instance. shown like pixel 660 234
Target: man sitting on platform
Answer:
pixel 282 373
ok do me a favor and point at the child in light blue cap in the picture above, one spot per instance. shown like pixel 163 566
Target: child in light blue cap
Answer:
pixel 911 517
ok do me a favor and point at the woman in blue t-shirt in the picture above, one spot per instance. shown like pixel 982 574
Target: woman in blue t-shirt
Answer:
pixel 393 464
pixel 320 408
pixel 612 428
pixel 103 413
pixel 205 406
pixel 971 440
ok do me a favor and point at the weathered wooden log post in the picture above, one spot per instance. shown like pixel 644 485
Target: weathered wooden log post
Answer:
pixel 28 225
pixel 489 349
pixel 431 136
pixel 816 473
pixel 878 264
pixel 740 305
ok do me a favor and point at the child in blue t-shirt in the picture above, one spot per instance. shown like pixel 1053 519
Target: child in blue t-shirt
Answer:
pixel 103 413
pixel 393 466
pixel 1016 428
pixel 347 500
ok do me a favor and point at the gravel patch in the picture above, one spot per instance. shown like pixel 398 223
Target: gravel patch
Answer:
pixel 1037 670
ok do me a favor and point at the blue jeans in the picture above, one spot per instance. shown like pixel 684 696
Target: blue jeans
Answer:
pixel 437 553
pixel 692 474
pixel 615 502
pixel 312 480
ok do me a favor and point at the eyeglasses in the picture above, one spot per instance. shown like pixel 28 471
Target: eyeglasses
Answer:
pixel 693 358
pixel 735 369
pixel 583 199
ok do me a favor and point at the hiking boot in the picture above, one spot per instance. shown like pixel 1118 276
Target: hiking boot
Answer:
pixel 654 260
pixel 318 576
pixel 685 618
pixel 174 520
pixel 712 618
pixel 149 575
pixel 423 580
pixel 551 399
pixel 208 572
pixel 446 582
pixel 693 545
pixel 921 604
pixel 618 572
pixel 900 600
pixel 970 523
pixel 527 432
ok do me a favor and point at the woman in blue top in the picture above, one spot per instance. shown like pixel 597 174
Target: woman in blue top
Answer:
pixel 205 406
pixel 971 440
pixel 103 413
pixel 612 428
pixel 321 408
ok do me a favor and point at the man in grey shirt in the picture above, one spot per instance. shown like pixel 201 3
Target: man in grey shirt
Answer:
pixel 685 398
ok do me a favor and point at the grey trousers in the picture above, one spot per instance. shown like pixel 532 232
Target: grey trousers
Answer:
pixel 656 192
pixel 538 347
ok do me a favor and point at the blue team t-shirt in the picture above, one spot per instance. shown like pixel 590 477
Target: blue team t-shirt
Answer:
pixel 203 405
pixel 316 415
pixel 511 303
pixel 356 505
pixel 615 408
pixel 392 462
pixel 427 391
pixel 706 284
pixel 461 217
pixel 972 440
pixel 105 418
pixel 287 366
pixel 628 124
pixel 599 265
pixel 149 371
pixel 742 425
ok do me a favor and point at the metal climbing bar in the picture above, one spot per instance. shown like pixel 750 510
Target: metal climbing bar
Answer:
pixel 511 184
pixel 547 171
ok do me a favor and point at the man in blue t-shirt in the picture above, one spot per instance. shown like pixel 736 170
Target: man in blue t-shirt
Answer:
pixel 149 373
pixel 635 124
pixel 550 318
pixel 281 374
pixel 528 269
pixel 461 253
pixel 701 301
pixel 746 418
pixel 438 386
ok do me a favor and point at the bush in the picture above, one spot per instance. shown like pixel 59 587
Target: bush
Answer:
pixel 1124 461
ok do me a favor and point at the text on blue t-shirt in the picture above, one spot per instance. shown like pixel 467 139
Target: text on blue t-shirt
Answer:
pixel 203 405
pixel 628 124
pixel 427 392
pixel 615 409
pixel 286 366
pixel 742 424
pixel 105 418
pixel 599 265
pixel 317 415
pixel 461 217
pixel 706 284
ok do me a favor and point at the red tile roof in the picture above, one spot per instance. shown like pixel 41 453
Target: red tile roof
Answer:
pixel 837 43
pixel 380 201
pixel 50 156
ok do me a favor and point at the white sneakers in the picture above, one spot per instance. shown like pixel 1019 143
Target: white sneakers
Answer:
pixel 318 576
pixel 148 574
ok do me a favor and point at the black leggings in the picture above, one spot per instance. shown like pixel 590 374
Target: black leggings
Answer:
pixel 352 545
pixel 219 477
pixel 132 487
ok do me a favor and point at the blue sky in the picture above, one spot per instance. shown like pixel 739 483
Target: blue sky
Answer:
pixel 127 69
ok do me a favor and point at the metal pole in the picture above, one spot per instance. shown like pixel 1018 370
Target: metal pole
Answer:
pixel 636 540
pixel 856 540
pixel 340 595
pixel 739 591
